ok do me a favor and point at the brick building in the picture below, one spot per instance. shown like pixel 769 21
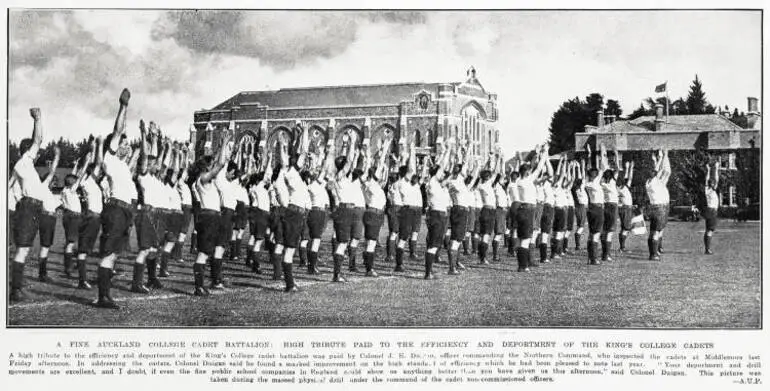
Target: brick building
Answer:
pixel 417 112
pixel 690 139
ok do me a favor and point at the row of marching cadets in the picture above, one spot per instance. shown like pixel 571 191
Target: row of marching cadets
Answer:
pixel 281 205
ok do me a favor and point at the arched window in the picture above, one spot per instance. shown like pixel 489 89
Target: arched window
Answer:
pixel 417 139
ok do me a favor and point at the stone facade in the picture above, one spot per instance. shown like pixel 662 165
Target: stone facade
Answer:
pixel 418 113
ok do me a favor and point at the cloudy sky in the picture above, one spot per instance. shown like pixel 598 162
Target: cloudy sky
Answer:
pixel 74 64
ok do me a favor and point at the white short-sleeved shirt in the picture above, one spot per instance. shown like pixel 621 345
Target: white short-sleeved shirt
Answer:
pixel 502 197
pixel 559 197
pixel 319 197
pixel 438 197
pixel 51 202
pixel 459 192
pixel 152 194
pixel 411 195
pixel 226 194
pixel 712 198
pixel 70 199
pixel 610 190
pixel 28 178
pixel 208 195
pixel 241 194
pixel 174 200
pixel 548 193
pixel 624 196
pixel 527 190
pixel 120 179
pixel 346 191
pixel 487 194
pixel 581 197
pixel 657 192
pixel 14 195
pixel 259 197
pixel 513 191
pixel 93 194
pixel 298 193
pixel 394 193
pixel 594 191
pixel 185 194
pixel 374 196
pixel 540 191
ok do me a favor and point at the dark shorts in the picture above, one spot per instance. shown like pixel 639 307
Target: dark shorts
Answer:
pixel 372 220
pixel 28 211
pixel 174 221
pixel 348 223
pixel 525 219
pixel 160 219
pixel 47 229
pixel 458 222
pixel 626 213
pixel 512 216
pixel 710 214
pixel 241 216
pixel 393 222
pixel 225 227
pixel 570 218
pixel 559 219
pixel 475 220
pixel 293 224
pixel 658 217
pixel 11 219
pixel 501 215
pixel 276 225
pixel 436 222
pixel 487 219
pixel 187 216
pixel 116 222
pixel 580 215
pixel 538 216
pixel 546 219
pixel 207 226
pixel 90 223
pixel 595 218
pixel 316 222
pixel 408 221
pixel 71 223
pixel 258 222
pixel 146 234
pixel 610 216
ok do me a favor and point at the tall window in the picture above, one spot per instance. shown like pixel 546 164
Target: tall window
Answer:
pixel 728 196
pixel 472 126
pixel 727 161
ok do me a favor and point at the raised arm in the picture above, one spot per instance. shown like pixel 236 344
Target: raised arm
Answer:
pixel 37 131
pixel 222 159
pixel 120 122
pixel 665 167
pixel 629 173
pixel 99 152
pixel 52 167
pixel 716 175
pixel 144 149
pixel 132 162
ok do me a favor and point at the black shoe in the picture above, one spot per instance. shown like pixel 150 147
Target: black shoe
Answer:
pixel 398 269
pixel 372 273
pixel 154 284
pixel 460 266
pixel 594 262
pixel 201 291
pixel 709 252
pixel 17 295
pixel 339 278
pixel 105 302
pixel 44 278
pixel 290 289
pixel 139 289
pixel 655 258
pixel 353 269
pixel 219 286
pixel 483 262
pixel 453 272
pixel 545 261
pixel 163 273
pixel 523 270
pixel 84 285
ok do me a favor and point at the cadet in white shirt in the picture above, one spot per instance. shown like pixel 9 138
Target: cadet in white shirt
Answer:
pixel 610 189
pixel 581 202
pixel 488 215
pixel 175 214
pixel 319 204
pixel 29 207
pixel 14 195
pixel 72 216
pixel 185 195
pixel 117 212
pixel 658 195
pixel 712 206
pixel 372 184
pixel 208 226
pixel 439 202
pixel 411 208
pixel 223 182
pixel 525 215
pixel 394 203
pixel 501 212
pixel 259 213
pixel 92 206
pixel 561 185
pixel 513 196
pixel 573 167
pixel 295 217
pixel 348 215
pixel 625 204
pixel 240 217
pixel 47 226
pixel 462 202
pixel 595 203
pixel 547 215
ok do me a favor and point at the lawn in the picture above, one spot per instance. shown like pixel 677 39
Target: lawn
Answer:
pixel 687 289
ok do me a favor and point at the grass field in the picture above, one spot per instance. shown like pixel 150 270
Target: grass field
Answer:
pixel 685 290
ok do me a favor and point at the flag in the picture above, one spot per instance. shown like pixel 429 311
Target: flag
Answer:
pixel 637 225
pixel 661 87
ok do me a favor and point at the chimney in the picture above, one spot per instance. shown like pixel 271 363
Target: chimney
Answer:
pixel 659 117
pixel 599 118
pixel 753 113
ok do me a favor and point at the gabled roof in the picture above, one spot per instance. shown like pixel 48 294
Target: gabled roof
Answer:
pixel 675 123
pixel 373 94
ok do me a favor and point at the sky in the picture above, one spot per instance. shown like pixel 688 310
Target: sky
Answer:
pixel 73 64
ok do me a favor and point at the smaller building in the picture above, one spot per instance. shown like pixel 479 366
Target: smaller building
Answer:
pixel 691 139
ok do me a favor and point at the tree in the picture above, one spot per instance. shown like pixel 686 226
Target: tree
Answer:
pixel 639 112
pixel 572 116
pixel 696 99
pixel 613 108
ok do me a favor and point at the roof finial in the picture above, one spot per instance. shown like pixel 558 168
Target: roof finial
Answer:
pixel 471 72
